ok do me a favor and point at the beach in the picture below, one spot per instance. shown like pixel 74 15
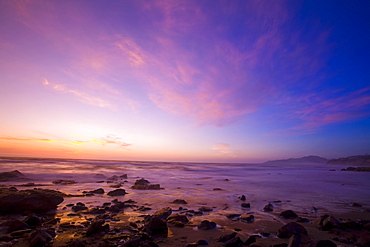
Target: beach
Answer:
pixel 180 204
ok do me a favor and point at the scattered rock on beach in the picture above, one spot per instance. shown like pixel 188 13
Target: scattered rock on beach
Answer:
pixel 268 208
pixel 242 198
pixel 143 184
pixel 326 222
pixel 36 200
pixel 117 192
pixel 156 226
pixel 227 237
pixel 290 229
pixel 288 214
pixel 96 227
pixel 245 205
pixel 205 209
pixel 41 237
pixel 247 218
pixel 180 201
pixel 207 225
pixel 11 226
pixel 97 191
pixel 64 182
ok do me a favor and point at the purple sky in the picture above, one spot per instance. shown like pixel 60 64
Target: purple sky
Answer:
pixel 223 81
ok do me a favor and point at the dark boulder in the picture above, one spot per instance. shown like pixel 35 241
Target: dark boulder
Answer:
pixel 37 200
pixel 227 237
pixel 288 214
pixel 245 205
pixel 34 220
pixel 326 222
pixel 96 227
pixel 64 182
pixel 78 208
pixel 290 229
pixel 11 226
pixel 177 218
pixel 117 192
pixel 179 201
pixel 205 209
pixel 97 191
pixel 143 184
pixel 242 198
pixel 294 241
pixel 163 213
pixel 156 226
pixel 247 218
pixel 207 225
pixel 268 208
pixel 41 237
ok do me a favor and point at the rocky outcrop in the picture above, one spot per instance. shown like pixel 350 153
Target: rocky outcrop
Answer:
pixel 9 176
pixel 143 184
pixel 36 200
pixel 358 160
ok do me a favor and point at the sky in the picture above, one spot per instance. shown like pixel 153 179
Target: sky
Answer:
pixel 191 81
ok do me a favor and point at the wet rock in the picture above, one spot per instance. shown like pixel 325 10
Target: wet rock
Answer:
pixel 205 209
pixel 199 242
pixel 234 242
pixel 180 201
pixel 288 214
pixel 302 220
pixel 268 208
pixel 177 218
pixel 227 237
pixel 355 204
pixel 116 186
pixel 13 189
pixel 251 240
pixel 117 192
pixel 247 218
pixel 163 213
pixel 143 184
pixel 290 229
pixel 78 208
pixel 41 237
pixel 245 205
pixel 97 191
pixel 11 226
pixel 64 182
pixel 13 175
pixel 326 222
pixel 96 211
pixel 156 226
pixel 96 227
pixel 34 220
pixel 233 217
pixel 217 189
pixel 113 178
pixel 294 241
pixel 242 198
pixel 323 243
pixel 123 176
pixel 36 200
pixel 77 243
pixel 207 225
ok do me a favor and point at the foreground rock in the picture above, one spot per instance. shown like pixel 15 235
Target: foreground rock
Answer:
pixel 291 229
pixel 37 200
pixel 13 175
pixel 143 184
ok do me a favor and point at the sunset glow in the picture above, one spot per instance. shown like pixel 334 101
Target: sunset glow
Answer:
pixel 205 81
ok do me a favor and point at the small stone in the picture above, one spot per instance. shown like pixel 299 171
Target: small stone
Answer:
pixel 227 237
pixel 246 205
pixel 247 218
pixel 96 227
pixel 97 191
pixel 242 198
pixel 78 208
pixel 268 208
pixel 180 201
pixel 205 209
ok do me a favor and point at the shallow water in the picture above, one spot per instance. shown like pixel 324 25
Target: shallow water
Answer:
pixel 297 186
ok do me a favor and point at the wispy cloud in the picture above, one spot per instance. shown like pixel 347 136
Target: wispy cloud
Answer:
pixel 82 96
pixel 224 150
pixel 105 140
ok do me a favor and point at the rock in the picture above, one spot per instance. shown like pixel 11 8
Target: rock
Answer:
pixel 33 220
pixel 326 222
pixel 302 220
pixel 205 209
pixel 242 198
pixel 163 213
pixel 156 226
pixel 142 184
pixel 234 242
pixel 64 182
pixel 247 218
pixel 246 205
pixel 233 217
pixel 96 227
pixel 290 229
pixel 11 226
pixel 77 243
pixel 227 237
pixel 294 241
pixel 180 201
pixel 217 189
pixel 177 218
pixel 268 208
pixel 97 191
pixel 199 242
pixel 41 237
pixel 355 204
pixel 36 200
pixel 78 208
pixel 207 225
pixel 251 240
pixel 123 176
pixel 117 192
pixel 288 214
pixel 323 243
pixel 13 175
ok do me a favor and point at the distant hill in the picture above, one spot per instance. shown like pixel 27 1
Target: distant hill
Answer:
pixel 358 160
pixel 305 159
